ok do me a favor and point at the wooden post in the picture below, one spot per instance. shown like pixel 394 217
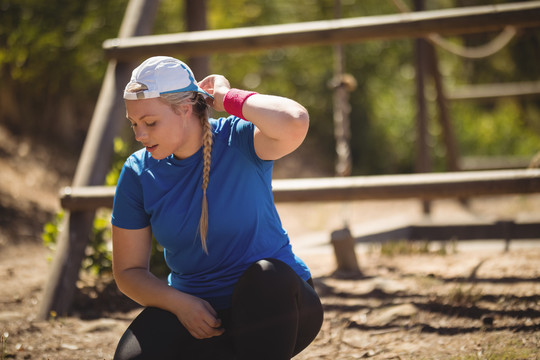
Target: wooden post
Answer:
pixel 423 163
pixel 195 16
pixel 93 166
pixel 343 244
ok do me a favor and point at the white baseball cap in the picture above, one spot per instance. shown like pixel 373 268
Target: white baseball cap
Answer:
pixel 162 75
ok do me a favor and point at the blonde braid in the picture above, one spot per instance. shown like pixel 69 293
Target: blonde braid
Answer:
pixel 207 149
pixel 200 108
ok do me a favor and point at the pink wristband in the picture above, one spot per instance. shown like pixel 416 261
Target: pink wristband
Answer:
pixel 234 101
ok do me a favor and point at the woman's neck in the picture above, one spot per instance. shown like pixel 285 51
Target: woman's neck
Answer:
pixel 193 141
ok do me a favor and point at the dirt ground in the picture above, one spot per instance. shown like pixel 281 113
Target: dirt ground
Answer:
pixel 474 302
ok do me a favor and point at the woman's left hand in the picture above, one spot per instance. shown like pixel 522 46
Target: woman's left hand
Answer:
pixel 217 86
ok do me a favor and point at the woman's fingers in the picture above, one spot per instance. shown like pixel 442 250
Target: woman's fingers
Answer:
pixel 217 86
pixel 200 319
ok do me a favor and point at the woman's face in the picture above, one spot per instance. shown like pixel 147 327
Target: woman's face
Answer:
pixel 162 130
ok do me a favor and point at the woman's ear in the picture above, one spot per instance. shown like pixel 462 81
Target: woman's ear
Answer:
pixel 183 109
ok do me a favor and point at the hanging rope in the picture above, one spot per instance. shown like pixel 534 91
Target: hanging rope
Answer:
pixel 478 52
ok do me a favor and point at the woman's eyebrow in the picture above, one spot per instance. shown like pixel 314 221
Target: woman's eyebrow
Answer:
pixel 141 118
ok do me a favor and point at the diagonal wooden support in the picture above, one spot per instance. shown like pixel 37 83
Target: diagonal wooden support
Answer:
pixel 93 166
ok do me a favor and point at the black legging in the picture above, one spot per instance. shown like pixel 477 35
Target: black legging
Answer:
pixel 274 315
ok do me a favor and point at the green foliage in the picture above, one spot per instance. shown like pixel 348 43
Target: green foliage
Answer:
pixel 122 150
pixel 383 106
pixel 303 73
pixel 411 247
pixel 404 247
pixel 52 64
pixel 56 45
pixel 505 128
pixel 98 258
pixel 51 231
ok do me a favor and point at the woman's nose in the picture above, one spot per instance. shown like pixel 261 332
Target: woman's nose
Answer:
pixel 140 134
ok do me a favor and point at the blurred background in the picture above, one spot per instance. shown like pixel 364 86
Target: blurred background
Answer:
pixel 52 66
pixel 479 102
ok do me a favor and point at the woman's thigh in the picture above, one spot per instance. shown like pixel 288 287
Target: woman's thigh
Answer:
pixel 158 334
pixel 275 313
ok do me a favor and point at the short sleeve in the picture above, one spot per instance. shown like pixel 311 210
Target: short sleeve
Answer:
pixel 128 208
pixel 241 135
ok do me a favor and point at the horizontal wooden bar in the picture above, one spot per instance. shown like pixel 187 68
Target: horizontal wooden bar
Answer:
pixel 504 230
pixel 476 163
pixel 421 186
pixel 87 197
pixel 382 187
pixel 386 27
pixel 494 91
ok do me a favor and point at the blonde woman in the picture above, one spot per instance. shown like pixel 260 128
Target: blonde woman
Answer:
pixel 202 187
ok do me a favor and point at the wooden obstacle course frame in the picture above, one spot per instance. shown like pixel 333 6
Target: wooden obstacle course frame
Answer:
pixel 128 47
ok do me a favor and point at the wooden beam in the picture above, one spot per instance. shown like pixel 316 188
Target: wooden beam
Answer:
pixel 420 186
pixel 382 187
pixel 386 27
pixel 494 91
pixel 92 168
pixel 477 230
pixel 87 197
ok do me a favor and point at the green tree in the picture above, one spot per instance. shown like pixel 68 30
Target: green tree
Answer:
pixel 51 63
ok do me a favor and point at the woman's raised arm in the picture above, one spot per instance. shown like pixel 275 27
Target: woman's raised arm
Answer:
pixel 281 123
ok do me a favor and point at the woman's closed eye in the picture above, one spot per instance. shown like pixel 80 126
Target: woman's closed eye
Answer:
pixel 149 124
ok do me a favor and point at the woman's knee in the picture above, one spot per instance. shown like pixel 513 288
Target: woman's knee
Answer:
pixel 269 276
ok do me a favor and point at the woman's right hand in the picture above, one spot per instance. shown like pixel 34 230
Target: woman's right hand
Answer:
pixel 217 86
pixel 131 256
pixel 198 317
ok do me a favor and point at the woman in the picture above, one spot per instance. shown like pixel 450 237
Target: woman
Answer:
pixel 202 187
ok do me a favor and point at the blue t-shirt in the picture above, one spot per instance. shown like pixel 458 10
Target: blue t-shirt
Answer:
pixel 244 225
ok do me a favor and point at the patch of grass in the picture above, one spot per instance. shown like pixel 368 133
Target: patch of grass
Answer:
pixel 511 350
pixel 463 296
pixel 414 247
pixel 447 247
pixel 404 247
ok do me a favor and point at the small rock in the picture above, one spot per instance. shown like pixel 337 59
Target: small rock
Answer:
pixel 487 320
pixel 10 315
pixel 69 347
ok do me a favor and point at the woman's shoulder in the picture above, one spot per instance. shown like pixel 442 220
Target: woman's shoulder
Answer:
pixel 139 161
pixel 227 126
